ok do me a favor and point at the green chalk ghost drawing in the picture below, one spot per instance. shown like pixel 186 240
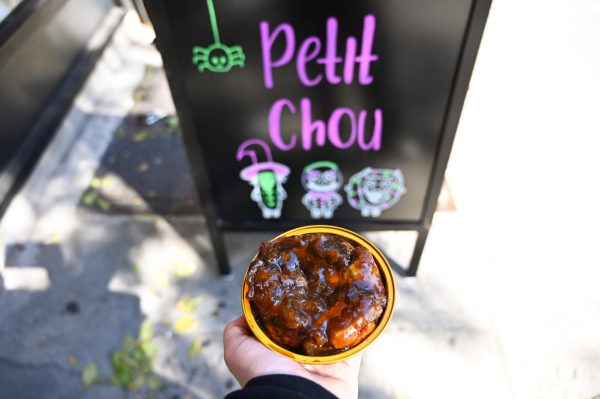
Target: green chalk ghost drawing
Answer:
pixel 217 57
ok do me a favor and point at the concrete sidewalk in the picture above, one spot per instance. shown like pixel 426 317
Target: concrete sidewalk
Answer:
pixel 506 304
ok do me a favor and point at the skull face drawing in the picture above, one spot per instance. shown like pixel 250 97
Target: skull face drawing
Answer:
pixel 322 180
pixel 266 179
pixel 374 190
pixel 218 57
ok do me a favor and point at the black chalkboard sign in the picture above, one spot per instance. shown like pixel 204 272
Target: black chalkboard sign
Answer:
pixel 311 112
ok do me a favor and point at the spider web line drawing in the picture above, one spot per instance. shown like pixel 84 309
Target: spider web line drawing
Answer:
pixel 213 21
pixel 217 57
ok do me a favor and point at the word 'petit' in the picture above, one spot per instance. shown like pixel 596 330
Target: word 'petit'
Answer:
pixel 310 49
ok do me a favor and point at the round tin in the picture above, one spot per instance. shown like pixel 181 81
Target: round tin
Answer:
pixel 387 279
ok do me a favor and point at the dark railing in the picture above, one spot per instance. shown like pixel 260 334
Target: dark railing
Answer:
pixel 44 61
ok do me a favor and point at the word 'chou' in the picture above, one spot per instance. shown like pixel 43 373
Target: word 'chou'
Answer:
pixel 321 132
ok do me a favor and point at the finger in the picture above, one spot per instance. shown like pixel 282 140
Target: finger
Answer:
pixel 237 327
pixel 236 332
pixel 354 362
pixel 240 322
pixel 347 369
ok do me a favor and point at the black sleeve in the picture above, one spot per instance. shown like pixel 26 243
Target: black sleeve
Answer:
pixel 281 386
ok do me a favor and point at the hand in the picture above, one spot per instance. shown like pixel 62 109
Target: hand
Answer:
pixel 247 358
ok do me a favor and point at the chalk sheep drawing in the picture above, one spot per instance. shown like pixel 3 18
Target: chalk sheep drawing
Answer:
pixel 322 180
pixel 372 191
pixel 266 178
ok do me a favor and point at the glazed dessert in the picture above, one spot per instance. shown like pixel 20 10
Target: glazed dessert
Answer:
pixel 315 294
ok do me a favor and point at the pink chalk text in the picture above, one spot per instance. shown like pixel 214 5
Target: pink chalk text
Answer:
pixel 310 49
pixel 319 61
pixel 320 132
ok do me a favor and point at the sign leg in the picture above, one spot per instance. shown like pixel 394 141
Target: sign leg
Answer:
pixel 418 251
pixel 402 272
pixel 218 243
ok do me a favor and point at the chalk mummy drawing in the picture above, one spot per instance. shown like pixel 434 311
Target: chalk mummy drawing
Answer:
pixel 217 57
pixel 322 180
pixel 372 191
pixel 266 178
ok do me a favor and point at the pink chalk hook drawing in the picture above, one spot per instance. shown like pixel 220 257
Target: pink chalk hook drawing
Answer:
pixel 265 177
pixel 244 151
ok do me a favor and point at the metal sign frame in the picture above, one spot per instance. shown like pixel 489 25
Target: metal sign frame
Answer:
pixel 216 227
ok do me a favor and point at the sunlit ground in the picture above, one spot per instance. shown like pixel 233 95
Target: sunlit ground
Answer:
pixel 101 296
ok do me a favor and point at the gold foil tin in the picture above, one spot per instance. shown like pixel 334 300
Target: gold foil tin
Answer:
pixel 387 279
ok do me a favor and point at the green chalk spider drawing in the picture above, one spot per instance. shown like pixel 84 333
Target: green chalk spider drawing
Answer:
pixel 217 57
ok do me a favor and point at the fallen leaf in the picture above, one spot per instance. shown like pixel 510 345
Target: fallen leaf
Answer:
pixel 103 204
pixel 147 79
pixel 72 360
pixel 143 167
pixel 99 182
pixel 96 182
pixel 195 348
pixel 399 394
pixel 151 194
pixel 139 95
pixel 182 269
pixel 146 330
pixel 163 280
pixel 149 348
pixel 136 384
pixel 155 383
pixel 173 123
pixel 132 363
pixel 187 304
pixel 121 133
pixel 141 135
pixel 185 324
pixel 54 239
pixel 89 197
pixel 89 375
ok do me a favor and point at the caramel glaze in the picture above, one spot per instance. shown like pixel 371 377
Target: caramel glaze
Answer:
pixel 315 294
